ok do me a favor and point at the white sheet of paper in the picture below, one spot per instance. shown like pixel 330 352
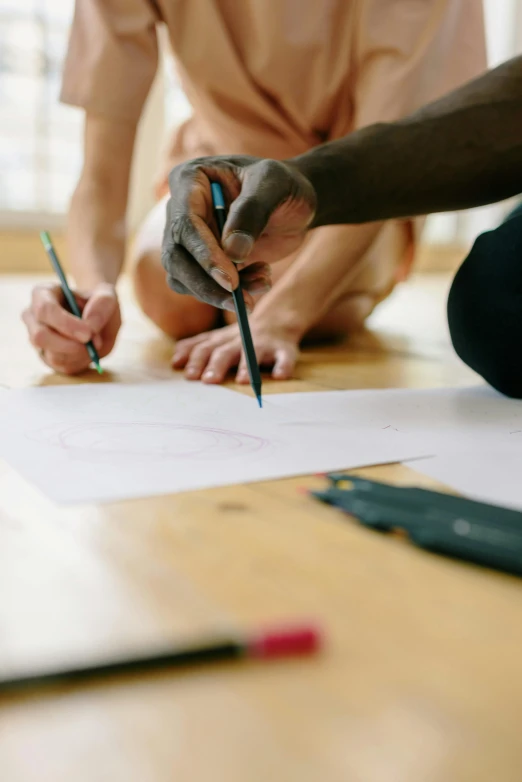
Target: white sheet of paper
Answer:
pixel 98 442
pixel 493 476
pixel 444 416
pixel 475 432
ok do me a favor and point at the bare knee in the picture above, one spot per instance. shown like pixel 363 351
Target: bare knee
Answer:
pixel 176 315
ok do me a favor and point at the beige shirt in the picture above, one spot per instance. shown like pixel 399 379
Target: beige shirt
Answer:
pixel 273 77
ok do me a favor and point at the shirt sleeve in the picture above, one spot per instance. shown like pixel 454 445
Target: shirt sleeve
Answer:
pixel 408 54
pixel 411 53
pixel 112 57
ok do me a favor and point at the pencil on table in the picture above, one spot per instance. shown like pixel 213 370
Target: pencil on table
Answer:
pixel 279 642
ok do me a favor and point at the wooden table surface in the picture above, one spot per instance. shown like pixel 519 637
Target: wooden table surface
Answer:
pixel 420 678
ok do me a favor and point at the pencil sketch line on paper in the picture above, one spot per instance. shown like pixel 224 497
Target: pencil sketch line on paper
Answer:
pixel 148 442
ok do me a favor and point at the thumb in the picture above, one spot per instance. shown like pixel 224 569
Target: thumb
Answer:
pixel 266 185
pixel 100 307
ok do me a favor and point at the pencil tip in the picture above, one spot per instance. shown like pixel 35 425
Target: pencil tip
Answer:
pixel 99 370
pixel 46 239
pixel 260 401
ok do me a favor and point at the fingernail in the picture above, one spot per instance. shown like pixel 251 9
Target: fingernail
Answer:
pixel 96 324
pixel 82 335
pixel 209 375
pixel 228 304
pixel 192 372
pixel 221 278
pixel 238 244
pixel 258 287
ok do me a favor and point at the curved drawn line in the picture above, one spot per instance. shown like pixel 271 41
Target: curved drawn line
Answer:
pixel 220 443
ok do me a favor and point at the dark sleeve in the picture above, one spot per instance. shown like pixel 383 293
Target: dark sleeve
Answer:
pixel 485 308
pixel 462 151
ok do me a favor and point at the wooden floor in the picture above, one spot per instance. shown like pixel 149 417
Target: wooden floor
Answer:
pixel 420 679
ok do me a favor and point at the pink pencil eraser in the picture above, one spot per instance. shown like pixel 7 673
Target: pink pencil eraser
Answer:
pixel 286 642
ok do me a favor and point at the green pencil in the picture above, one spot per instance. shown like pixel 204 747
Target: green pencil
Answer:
pixel 67 292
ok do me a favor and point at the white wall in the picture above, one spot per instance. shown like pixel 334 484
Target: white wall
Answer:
pixel 503 33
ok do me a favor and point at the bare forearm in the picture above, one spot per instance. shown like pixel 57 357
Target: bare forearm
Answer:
pixel 318 278
pixel 462 151
pixel 96 227
pixel 96 237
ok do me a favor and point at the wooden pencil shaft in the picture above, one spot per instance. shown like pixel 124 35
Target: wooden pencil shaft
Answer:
pixel 173 658
pixel 241 310
pixel 67 292
pixel 246 337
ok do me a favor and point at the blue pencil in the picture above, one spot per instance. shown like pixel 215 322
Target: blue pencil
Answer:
pixel 218 202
